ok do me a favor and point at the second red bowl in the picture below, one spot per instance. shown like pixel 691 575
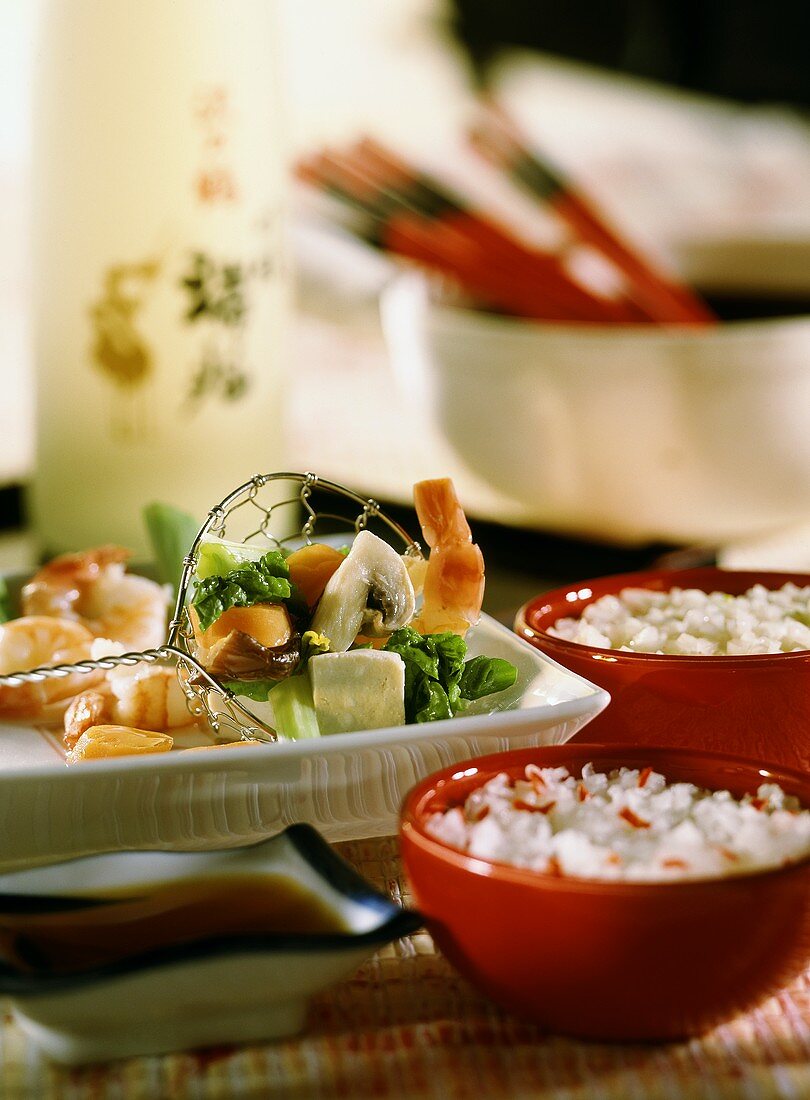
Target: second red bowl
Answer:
pixel 609 960
pixel 757 705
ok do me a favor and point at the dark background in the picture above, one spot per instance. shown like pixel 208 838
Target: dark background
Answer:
pixel 748 50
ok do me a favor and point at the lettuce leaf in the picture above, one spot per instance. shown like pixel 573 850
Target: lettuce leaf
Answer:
pixel 438 681
pixel 5 602
pixel 484 676
pixel 263 581
pixel 218 557
pixel 430 702
pixel 294 714
pixel 171 533
pixel 258 690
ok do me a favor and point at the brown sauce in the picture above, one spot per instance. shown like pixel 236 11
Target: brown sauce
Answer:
pixel 174 914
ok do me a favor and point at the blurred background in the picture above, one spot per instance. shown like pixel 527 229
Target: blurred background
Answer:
pixel 559 252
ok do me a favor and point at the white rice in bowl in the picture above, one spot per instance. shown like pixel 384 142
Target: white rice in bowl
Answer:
pixel 691 622
pixel 628 825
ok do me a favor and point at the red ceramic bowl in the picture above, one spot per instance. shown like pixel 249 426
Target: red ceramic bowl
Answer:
pixel 610 961
pixel 757 705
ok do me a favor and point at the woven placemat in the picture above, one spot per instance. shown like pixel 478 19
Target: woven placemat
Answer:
pixel 407 1026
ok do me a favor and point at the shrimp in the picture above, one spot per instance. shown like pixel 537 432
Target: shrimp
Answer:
pixel 36 640
pixel 147 697
pixel 454 577
pixel 101 742
pixel 92 588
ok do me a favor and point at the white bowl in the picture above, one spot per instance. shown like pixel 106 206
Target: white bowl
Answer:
pixel 222 989
pixel 348 785
pixel 626 433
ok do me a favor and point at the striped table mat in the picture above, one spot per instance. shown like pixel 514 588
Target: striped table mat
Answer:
pixel 406 1026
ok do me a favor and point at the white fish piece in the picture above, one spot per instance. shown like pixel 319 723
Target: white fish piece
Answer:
pixel 361 689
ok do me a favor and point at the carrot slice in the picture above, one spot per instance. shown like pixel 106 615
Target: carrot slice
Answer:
pixel 267 623
pixel 311 567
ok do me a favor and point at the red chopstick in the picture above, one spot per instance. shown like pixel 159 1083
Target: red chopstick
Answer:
pixel 387 224
pixel 383 220
pixel 398 208
pixel 545 274
pixel 660 296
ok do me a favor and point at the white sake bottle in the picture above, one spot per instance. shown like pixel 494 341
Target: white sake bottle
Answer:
pixel 160 280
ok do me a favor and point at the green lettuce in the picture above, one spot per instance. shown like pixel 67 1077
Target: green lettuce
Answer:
pixel 258 690
pixel 5 602
pixel 171 533
pixel 218 557
pixel 294 714
pixel 484 676
pixel 264 581
pixel 439 682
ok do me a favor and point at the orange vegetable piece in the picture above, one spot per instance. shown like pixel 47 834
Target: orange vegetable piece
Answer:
pixel 311 567
pixel 268 623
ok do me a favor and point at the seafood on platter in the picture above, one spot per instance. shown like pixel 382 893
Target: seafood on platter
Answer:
pixel 76 608
pixel 94 589
pixel 454 577
pixel 320 639
pixel 102 741
pixel 34 640
pixel 140 696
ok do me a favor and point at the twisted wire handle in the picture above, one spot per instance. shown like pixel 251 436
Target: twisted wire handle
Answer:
pixel 54 672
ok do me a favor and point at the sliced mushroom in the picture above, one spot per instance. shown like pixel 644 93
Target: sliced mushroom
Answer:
pixel 370 592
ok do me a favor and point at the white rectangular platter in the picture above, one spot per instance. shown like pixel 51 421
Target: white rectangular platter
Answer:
pixel 348 785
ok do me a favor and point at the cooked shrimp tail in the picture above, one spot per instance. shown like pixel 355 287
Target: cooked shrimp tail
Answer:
pixel 454 578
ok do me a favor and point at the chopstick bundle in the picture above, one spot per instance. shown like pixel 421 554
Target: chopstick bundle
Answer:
pixel 397 208
pixel 383 220
pixel 545 273
pixel 662 298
